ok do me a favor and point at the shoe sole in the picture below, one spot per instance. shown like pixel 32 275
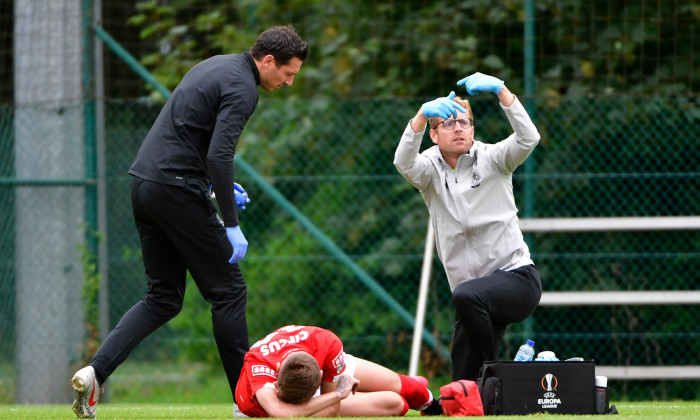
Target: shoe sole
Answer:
pixel 79 387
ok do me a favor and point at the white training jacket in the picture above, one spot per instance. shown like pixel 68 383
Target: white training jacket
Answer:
pixel 472 209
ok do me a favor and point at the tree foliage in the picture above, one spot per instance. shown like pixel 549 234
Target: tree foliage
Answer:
pixel 386 48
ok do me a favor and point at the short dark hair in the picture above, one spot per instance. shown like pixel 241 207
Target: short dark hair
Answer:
pixel 298 378
pixel 282 42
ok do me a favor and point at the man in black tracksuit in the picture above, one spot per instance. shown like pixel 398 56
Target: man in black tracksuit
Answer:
pixel 190 146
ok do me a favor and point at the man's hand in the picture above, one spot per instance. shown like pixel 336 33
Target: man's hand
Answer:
pixel 442 107
pixel 346 385
pixel 479 82
pixel 238 242
pixel 240 195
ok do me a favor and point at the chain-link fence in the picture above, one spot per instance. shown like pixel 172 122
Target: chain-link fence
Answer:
pixel 602 154
pixel 333 161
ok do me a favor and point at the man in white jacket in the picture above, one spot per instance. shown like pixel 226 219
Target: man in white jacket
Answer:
pixel 468 189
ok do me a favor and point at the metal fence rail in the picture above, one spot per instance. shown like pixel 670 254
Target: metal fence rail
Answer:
pixel 588 298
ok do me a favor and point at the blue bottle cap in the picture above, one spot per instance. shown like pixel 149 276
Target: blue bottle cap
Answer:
pixel 530 342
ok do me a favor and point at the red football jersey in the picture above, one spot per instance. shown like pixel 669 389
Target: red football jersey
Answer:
pixel 260 363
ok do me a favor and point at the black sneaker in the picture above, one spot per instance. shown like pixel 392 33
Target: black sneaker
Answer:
pixel 434 409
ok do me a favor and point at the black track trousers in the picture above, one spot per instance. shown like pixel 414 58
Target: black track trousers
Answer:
pixel 485 306
pixel 180 232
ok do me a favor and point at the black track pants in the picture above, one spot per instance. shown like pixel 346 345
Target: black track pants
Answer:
pixel 485 306
pixel 180 232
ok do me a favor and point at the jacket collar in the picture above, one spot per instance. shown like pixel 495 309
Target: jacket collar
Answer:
pixel 469 158
pixel 253 67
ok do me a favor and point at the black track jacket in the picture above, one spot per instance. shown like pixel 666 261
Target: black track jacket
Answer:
pixel 196 133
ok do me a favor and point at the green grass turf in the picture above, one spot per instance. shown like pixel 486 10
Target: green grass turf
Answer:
pixel 665 410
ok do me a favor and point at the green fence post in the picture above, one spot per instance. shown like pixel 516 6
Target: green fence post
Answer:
pixel 89 129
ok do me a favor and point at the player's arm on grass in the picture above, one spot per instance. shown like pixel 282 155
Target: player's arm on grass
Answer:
pixel 322 406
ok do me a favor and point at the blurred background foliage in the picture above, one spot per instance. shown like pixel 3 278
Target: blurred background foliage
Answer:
pixel 615 85
pixel 615 100
pixel 390 48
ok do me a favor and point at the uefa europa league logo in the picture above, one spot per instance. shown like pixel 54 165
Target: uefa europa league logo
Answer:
pixel 549 382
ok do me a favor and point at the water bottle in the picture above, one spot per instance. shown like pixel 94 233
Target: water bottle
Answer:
pixel 526 352
pixel 601 395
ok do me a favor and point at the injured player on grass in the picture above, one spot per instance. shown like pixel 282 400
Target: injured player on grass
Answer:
pixel 300 371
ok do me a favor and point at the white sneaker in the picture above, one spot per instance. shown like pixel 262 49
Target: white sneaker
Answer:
pixel 87 393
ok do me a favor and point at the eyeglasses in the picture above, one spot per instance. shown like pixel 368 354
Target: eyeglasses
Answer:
pixel 450 124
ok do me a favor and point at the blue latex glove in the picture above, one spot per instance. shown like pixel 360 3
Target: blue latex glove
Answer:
pixel 238 242
pixel 442 107
pixel 240 195
pixel 479 82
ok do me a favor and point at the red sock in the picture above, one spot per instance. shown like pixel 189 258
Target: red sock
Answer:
pixel 405 408
pixel 415 394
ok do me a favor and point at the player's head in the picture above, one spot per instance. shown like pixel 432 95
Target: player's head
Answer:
pixel 298 378
pixel 455 137
pixel 282 42
pixel 278 52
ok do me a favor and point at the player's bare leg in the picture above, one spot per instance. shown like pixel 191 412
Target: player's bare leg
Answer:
pixel 374 377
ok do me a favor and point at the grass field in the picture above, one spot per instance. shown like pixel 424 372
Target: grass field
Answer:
pixel 631 410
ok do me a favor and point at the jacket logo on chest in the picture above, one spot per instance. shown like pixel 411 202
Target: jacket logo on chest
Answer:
pixel 476 179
